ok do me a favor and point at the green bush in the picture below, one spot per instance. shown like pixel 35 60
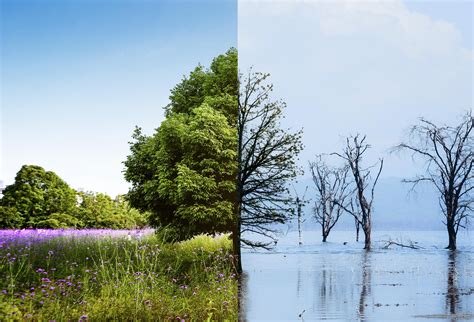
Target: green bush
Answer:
pixel 60 220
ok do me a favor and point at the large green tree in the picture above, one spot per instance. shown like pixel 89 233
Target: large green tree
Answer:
pixel 34 196
pixel 184 174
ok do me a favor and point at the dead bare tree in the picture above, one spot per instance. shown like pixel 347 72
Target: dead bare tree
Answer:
pixel 448 152
pixel 266 165
pixel 357 226
pixel 353 154
pixel 332 194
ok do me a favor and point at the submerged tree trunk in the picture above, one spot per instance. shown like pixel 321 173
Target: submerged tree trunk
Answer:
pixel 300 238
pixel 451 235
pixel 357 229
pixel 298 203
pixel 367 230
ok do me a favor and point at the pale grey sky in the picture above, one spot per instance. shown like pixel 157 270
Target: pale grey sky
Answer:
pixel 373 67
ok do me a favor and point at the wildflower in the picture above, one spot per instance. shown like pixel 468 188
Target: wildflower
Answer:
pixel 5 292
pixel 83 317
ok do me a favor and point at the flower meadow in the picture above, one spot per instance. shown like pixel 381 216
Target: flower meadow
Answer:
pixel 102 275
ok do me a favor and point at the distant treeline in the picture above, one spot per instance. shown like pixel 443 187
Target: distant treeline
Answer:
pixel 41 199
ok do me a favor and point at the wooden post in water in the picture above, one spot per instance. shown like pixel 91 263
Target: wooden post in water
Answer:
pixel 299 213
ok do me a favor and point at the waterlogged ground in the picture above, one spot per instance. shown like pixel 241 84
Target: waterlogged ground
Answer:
pixel 339 282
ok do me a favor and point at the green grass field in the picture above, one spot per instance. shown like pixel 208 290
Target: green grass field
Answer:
pixel 117 278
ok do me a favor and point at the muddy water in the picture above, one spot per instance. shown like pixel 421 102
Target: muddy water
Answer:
pixel 340 282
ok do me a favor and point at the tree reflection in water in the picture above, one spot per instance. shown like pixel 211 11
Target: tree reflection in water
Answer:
pixel 242 295
pixel 452 293
pixel 366 283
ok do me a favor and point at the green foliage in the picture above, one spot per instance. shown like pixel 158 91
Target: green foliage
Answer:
pixel 41 199
pixel 35 195
pixel 98 210
pixel 141 279
pixel 60 220
pixel 184 174
pixel 10 312
pixel 10 217
pixel 220 81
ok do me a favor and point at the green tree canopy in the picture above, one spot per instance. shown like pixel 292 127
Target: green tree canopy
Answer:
pixel 184 173
pixel 34 196
pixel 98 210
pixel 218 86
pixel 41 199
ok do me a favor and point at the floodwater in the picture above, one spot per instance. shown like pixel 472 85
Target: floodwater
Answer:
pixel 338 282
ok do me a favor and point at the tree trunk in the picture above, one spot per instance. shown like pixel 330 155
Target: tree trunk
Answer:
pixel 237 259
pixel 357 230
pixel 451 235
pixel 367 231
pixel 300 239
pixel 324 238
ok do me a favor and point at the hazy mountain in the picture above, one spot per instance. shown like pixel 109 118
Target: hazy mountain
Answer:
pixel 395 207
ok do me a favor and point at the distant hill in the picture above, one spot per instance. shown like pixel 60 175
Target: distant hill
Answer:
pixel 395 207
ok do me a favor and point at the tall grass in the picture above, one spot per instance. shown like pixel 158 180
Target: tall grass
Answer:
pixel 118 278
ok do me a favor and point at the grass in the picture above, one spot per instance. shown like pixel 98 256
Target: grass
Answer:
pixel 118 278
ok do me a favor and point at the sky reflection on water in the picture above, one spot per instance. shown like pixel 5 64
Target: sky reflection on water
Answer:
pixel 343 282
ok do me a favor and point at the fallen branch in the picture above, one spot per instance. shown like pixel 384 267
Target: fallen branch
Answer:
pixel 390 242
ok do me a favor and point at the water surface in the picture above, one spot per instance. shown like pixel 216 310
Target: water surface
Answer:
pixel 338 282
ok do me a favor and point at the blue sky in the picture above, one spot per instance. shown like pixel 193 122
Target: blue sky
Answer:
pixel 77 76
